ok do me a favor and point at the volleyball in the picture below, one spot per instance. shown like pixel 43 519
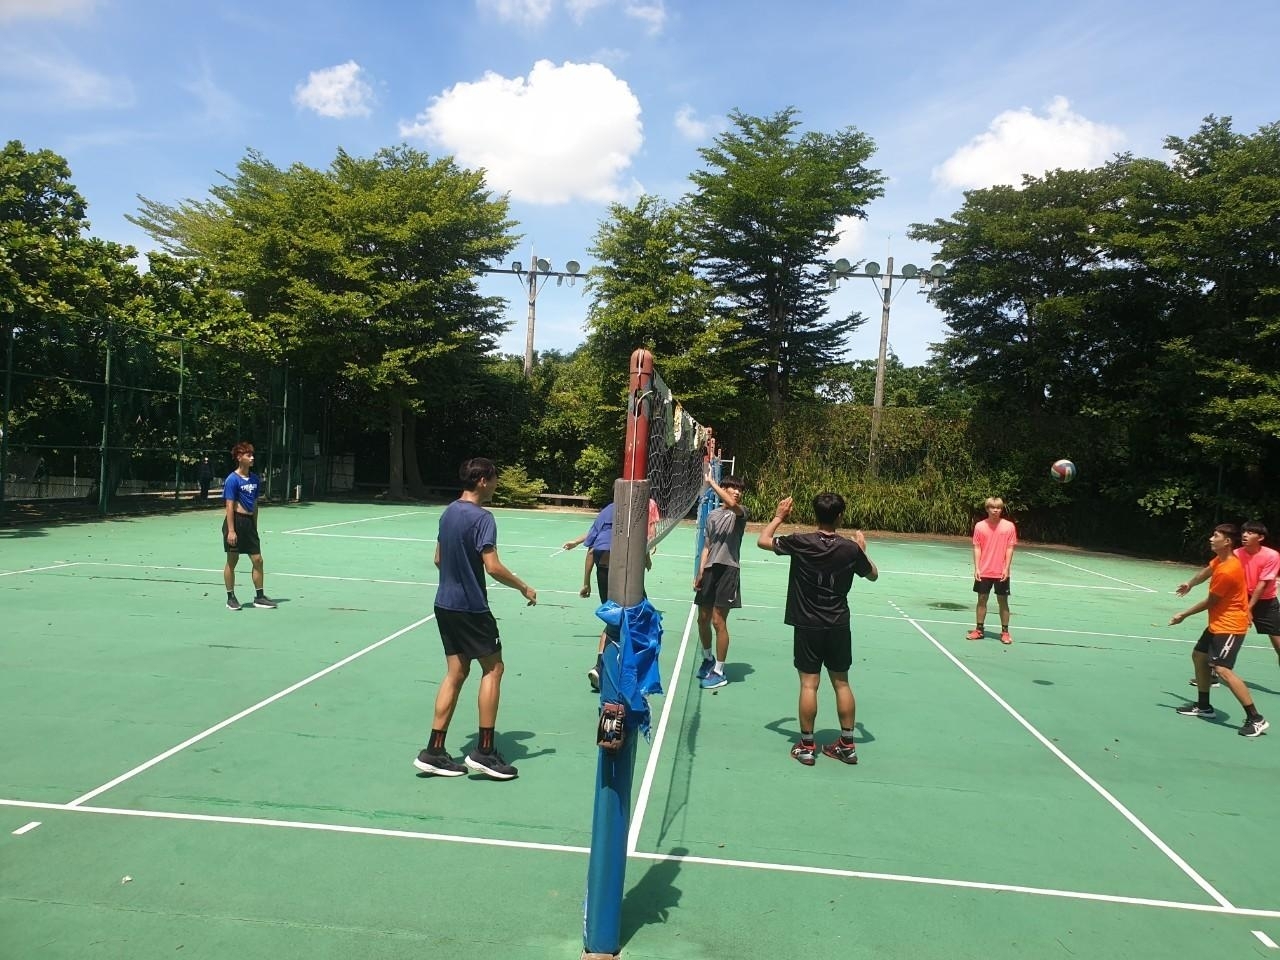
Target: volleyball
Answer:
pixel 1064 471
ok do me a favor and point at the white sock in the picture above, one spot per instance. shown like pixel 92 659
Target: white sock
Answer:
pixel 719 667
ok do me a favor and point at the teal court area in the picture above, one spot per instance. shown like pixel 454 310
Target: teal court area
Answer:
pixel 180 780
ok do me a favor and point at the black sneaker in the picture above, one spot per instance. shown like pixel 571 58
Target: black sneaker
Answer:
pixel 491 765
pixel 1214 681
pixel 441 764
pixel 233 603
pixel 265 602
pixel 1195 710
pixel 844 752
pixel 593 678
pixel 806 753
pixel 1254 728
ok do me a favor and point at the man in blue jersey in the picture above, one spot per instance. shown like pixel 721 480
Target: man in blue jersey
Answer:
pixel 467 549
pixel 240 526
pixel 823 565
pixel 599 542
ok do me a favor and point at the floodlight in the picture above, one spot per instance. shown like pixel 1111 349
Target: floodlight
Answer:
pixel 872 269
pixel 544 265
pixel 841 267
pixel 572 267
pixel 908 270
pixel 937 270
pixel 517 266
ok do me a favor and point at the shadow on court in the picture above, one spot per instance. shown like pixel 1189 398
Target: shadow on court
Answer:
pixel 736 672
pixel 787 728
pixel 651 900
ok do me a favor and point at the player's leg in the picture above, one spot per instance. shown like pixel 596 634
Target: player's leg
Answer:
pixel 715 670
pixel 434 757
pixel 1275 643
pixel 983 589
pixel 808 663
pixel 838 658
pixel 485 758
pixel 229 569
pixel 602 590
pixel 1226 648
pixel 1002 601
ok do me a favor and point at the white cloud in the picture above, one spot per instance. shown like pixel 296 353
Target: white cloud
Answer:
pixel 1019 141
pixel 690 127
pixel 534 13
pixel 529 12
pixel 578 9
pixel 219 109
pixel 46 9
pixel 853 235
pixel 566 132
pixel 339 91
pixel 56 80
pixel 653 15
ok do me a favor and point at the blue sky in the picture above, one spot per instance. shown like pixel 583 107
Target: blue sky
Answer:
pixel 572 104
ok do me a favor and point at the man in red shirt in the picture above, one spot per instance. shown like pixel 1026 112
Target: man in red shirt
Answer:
pixel 1228 608
pixel 993 541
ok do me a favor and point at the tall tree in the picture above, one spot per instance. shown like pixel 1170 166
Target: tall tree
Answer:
pixel 764 211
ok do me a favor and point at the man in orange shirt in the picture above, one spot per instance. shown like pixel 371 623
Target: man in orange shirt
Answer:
pixel 993 541
pixel 1228 608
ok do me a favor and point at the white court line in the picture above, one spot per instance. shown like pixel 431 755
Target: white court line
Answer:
pixel 673 858
pixel 56 566
pixel 651 765
pixel 1075 768
pixel 1024 629
pixel 1093 572
pixel 343 523
pixel 1266 941
pixel 274 573
pixel 26 829
pixel 244 713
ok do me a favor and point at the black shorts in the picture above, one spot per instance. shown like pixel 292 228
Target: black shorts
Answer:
pixel 602 581
pixel 246 535
pixel 984 586
pixel 1266 617
pixel 720 588
pixel 818 647
pixel 471 636
pixel 1222 648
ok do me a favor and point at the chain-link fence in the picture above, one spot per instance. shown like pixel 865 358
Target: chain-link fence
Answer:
pixel 100 417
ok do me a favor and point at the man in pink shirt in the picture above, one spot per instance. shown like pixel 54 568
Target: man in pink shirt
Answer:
pixel 993 541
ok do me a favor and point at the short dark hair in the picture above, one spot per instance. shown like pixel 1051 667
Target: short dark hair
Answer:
pixel 733 483
pixel 1229 530
pixel 474 470
pixel 1254 526
pixel 828 507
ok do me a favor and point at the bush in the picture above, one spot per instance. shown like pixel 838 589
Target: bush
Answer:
pixel 516 489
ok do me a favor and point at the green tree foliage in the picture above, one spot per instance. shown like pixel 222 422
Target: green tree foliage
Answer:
pixel 764 212
pixel 366 272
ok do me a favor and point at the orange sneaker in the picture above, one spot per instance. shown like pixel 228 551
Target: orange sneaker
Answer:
pixel 1004 637
pixel 974 635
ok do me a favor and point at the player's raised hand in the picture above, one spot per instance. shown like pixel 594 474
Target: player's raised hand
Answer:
pixel 783 509
pixel 860 540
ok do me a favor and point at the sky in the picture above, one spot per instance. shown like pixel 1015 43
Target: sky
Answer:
pixel 572 105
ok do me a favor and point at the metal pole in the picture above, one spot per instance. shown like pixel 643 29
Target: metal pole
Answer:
pixel 106 421
pixel 533 299
pixel 877 402
pixel 177 460
pixel 4 424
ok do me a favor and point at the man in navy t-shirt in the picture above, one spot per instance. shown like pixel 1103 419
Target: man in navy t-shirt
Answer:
pixel 466 550
pixel 823 565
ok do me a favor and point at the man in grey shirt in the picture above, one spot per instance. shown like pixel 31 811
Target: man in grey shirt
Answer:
pixel 717 586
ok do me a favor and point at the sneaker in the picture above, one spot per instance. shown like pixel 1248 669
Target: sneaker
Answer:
pixel 1004 637
pixel 491 765
pixel 1254 728
pixel 265 602
pixel 806 753
pixel 1214 681
pixel 974 635
pixel 233 603
pixel 712 680
pixel 844 752
pixel 441 764
pixel 1195 710
pixel 593 678
pixel 705 667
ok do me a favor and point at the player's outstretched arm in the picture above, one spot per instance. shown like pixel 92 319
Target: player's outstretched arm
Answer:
pixel 1200 577
pixel 498 570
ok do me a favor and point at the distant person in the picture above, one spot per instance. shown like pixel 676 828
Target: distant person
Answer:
pixel 205 476
pixel 240 526
pixel 717 587
pixel 39 476
pixel 993 541
pixel 467 549
pixel 823 565
pixel 1228 608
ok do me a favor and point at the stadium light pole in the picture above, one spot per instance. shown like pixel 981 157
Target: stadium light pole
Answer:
pixel 533 280
pixel 928 279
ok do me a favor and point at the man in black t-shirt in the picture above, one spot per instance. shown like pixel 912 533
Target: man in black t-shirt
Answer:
pixel 823 565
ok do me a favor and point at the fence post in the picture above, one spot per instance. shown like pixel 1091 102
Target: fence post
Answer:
pixel 4 424
pixel 106 420
pixel 177 458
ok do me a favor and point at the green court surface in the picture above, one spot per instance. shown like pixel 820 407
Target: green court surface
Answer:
pixel 209 784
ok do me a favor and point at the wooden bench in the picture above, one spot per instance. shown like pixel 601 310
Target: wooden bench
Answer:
pixel 565 499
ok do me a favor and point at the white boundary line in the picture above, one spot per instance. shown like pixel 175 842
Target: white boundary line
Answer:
pixel 655 749
pixel 1021 628
pixel 245 712
pixel 56 566
pixel 1265 940
pixel 274 573
pixel 343 523
pixel 662 857
pixel 1092 572
pixel 1075 768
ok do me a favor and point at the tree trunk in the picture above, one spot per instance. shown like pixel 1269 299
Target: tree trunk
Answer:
pixel 413 474
pixel 395 429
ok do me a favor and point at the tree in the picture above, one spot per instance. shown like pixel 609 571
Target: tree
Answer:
pixel 366 271
pixel 764 216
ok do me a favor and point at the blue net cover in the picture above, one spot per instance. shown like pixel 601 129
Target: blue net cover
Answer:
pixel 640 642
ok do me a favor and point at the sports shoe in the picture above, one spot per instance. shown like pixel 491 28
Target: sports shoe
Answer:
pixel 441 764
pixel 233 603
pixel 712 680
pixel 705 667
pixel 265 602
pixel 1215 681
pixel 491 765
pixel 1004 637
pixel 1254 728
pixel 1195 710
pixel 593 678
pixel 845 753
pixel 974 635
pixel 806 753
